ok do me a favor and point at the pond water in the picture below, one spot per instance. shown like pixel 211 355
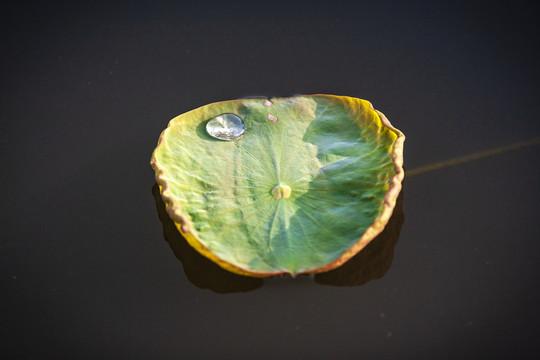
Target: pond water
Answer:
pixel 93 268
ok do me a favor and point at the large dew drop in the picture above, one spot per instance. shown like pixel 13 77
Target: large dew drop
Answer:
pixel 226 127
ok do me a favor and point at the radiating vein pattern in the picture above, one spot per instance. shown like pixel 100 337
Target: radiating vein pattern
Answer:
pixel 332 152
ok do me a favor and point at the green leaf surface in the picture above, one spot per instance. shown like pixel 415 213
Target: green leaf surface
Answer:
pixel 297 195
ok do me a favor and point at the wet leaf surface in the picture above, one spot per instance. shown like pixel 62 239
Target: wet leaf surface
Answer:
pixel 308 184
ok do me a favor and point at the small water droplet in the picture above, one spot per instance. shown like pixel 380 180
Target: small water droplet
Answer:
pixel 271 118
pixel 226 127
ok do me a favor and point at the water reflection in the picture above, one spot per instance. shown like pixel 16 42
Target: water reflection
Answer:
pixel 199 270
pixel 374 260
pixel 371 263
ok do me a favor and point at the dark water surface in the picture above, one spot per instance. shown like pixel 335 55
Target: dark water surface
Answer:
pixel 90 266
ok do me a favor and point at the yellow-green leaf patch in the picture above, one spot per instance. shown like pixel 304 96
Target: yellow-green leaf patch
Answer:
pixel 307 185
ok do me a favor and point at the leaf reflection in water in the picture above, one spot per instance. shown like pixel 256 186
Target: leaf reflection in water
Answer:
pixel 371 263
pixel 199 270
pixel 374 260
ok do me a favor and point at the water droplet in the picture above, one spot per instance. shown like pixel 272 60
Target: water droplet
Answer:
pixel 226 127
pixel 271 118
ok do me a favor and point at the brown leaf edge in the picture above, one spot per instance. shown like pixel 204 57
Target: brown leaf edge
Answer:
pixel 184 226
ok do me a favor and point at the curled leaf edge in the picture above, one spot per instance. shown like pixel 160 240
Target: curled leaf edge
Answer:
pixel 395 184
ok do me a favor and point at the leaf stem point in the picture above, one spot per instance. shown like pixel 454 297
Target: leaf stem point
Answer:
pixel 281 191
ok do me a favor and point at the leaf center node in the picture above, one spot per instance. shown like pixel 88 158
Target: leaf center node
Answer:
pixel 281 191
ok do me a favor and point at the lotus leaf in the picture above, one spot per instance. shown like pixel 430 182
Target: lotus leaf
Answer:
pixel 310 182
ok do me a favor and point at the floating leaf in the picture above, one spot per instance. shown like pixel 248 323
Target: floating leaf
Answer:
pixel 307 184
